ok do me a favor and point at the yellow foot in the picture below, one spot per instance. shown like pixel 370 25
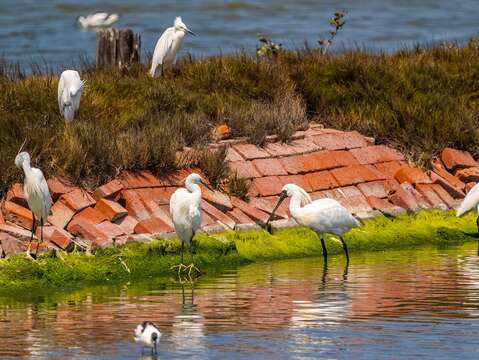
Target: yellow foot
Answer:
pixel 186 269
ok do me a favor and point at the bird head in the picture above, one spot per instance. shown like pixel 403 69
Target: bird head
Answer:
pixel 194 179
pixel 179 25
pixel 21 158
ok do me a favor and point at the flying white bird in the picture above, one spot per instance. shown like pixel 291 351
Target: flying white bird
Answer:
pixel 322 215
pixel 70 88
pixel 148 335
pixel 98 19
pixel 168 46
pixel 185 211
pixel 36 193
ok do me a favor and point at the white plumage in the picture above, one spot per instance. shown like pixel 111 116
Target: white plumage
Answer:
pixel 98 19
pixel 70 88
pixel 36 191
pixel 168 46
pixel 470 201
pixel 148 335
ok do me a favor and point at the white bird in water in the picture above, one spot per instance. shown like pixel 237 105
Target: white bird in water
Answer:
pixel 36 193
pixel 70 88
pixel 185 211
pixel 98 19
pixel 148 335
pixel 322 215
pixel 168 46
pixel 470 202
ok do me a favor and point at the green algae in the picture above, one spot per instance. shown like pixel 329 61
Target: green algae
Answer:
pixel 214 253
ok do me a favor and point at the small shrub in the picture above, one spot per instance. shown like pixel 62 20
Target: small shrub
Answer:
pixel 238 186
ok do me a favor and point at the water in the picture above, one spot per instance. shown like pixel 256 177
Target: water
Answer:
pixel 402 304
pixel 32 30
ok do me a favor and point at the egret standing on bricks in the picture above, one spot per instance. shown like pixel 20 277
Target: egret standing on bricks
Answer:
pixel 470 202
pixel 148 335
pixel 323 215
pixel 185 210
pixel 168 46
pixel 37 194
pixel 70 88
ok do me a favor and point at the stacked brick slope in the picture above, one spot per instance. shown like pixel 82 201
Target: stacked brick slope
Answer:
pixel 368 179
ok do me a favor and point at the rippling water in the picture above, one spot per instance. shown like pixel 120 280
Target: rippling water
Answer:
pixel 31 30
pixel 405 304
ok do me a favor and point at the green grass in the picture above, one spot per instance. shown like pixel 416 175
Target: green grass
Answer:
pixel 226 250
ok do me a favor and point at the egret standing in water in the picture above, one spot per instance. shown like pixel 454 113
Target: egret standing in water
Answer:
pixel 70 88
pixel 470 202
pixel 148 335
pixel 322 215
pixel 185 210
pixel 36 193
pixel 168 46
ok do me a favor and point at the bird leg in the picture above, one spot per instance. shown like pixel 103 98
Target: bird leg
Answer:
pixel 323 245
pixel 31 237
pixel 345 248
pixel 41 237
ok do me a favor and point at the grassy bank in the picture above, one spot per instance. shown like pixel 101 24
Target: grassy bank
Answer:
pixel 420 100
pixel 227 250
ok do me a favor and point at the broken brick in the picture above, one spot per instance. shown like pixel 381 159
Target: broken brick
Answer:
pixel 468 175
pixel 267 186
pixel 376 154
pixel 59 186
pixel 18 214
pixel 111 229
pixel 451 189
pixel 320 180
pixel 244 169
pixel 355 174
pixel 269 167
pixel 239 216
pixel 61 215
pixel 390 168
pixel 92 215
pixel 87 230
pixel 127 224
pixel 110 209
pixel 249 210
pixel 380 188
pixel 77 200
pixel 108 190
pixel 427 190
pixel 250 151
pixel 385 206
pixel 15 194
pixel 152 226
pixel 412 176
pixel 217 214
pixel 132 202
pixel 457 159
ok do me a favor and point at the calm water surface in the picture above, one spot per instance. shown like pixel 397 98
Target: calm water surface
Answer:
pixel 403 304
pixel 31 30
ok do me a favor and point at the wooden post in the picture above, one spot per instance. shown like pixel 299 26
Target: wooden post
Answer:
pixel 117 48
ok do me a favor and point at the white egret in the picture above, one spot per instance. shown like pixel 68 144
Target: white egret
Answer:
pixel 322 215
pixel 470 202
pixel 70 88
pixel 185 211
pixel 36 193
pixel 98 19
pixel 148 335
pixel 168 46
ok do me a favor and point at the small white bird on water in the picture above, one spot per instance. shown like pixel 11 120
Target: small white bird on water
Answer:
pixel 36 193
pixel 185 211
pixel 98 19
pixel 322 215
pixel 148 335
pixel 70 88
pixel 168 46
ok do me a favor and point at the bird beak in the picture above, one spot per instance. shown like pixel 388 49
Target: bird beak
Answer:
pixel 282 196
pixel 21 147
pixel 190 32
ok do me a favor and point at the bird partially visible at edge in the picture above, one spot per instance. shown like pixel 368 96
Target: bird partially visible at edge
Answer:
pixel 470 202
pixel 148 335
pixel 70 88
pixel 168 46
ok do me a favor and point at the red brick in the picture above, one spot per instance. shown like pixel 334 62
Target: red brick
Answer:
pixel 267 186
pixel 427 190
pixel 279 149
pixel 217 214
pixel 91 214
pixel 344 158
pixel 384 206
pixel 252 191
pixel 156 210
pixel 18 214
pixel 320 180
pixel 250 151
pixel 110 209
pixel 152 226
pixel 405 199
pixel 301 146
pixel 160 195
pixel 58 187
pixel 111 229
pixel 178 177
pixel 299 180
pixel 15 194
pixel 338 141
pixel 446 175
pixel 293 164
pixel 322 160
pixel 469 186
pixel 376 154
pixel 127 224
pixel 249 210
pixel 16 231
pixel 356 204
pixel 269 167
pixel 207 220
pixel 412 176
pixel 55 235
pixel 137 180
pixel 355 174
pixel 2 219
pixel 421 200
pixel 451 189
pixel 445 196
pixel 380 189
pixel 239 216
pixel 77 200
pixel 457 159
pixel 244 169
pixel 468 175
pixel 61 215
pixel 87 230
pixel 9 245
pixel 347 191
pixel 108 190
pixel 267 204
pixel 389 168
pixel 232 155
pixel 132 202
pixel 216 198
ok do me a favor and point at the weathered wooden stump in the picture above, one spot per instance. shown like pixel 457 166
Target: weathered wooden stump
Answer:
pixel 117 48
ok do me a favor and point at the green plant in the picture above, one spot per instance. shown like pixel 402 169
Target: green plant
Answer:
pixel 336 22
pixel 268 47
pixel 238 186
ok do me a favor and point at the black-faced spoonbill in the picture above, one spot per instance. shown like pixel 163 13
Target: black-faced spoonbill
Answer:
pixel 148 335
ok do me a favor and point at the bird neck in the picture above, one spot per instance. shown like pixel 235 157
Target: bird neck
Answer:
pixel 193 188
pixel 27 168
pixel 295 204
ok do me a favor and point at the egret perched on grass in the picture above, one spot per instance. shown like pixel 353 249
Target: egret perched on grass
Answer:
pixel 70 88
pixel 470 202
pixel 148 335
pixel 36 193
pixel 185 210
pixel 322 215
pixel 168 46
pixel 98 19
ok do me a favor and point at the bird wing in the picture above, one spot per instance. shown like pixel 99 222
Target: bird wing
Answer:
pixel 138 331
pixel 61 88
pixel 47 200
pixel 163 46
pixel 76 90
pixel 469 202
pixel 98 17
